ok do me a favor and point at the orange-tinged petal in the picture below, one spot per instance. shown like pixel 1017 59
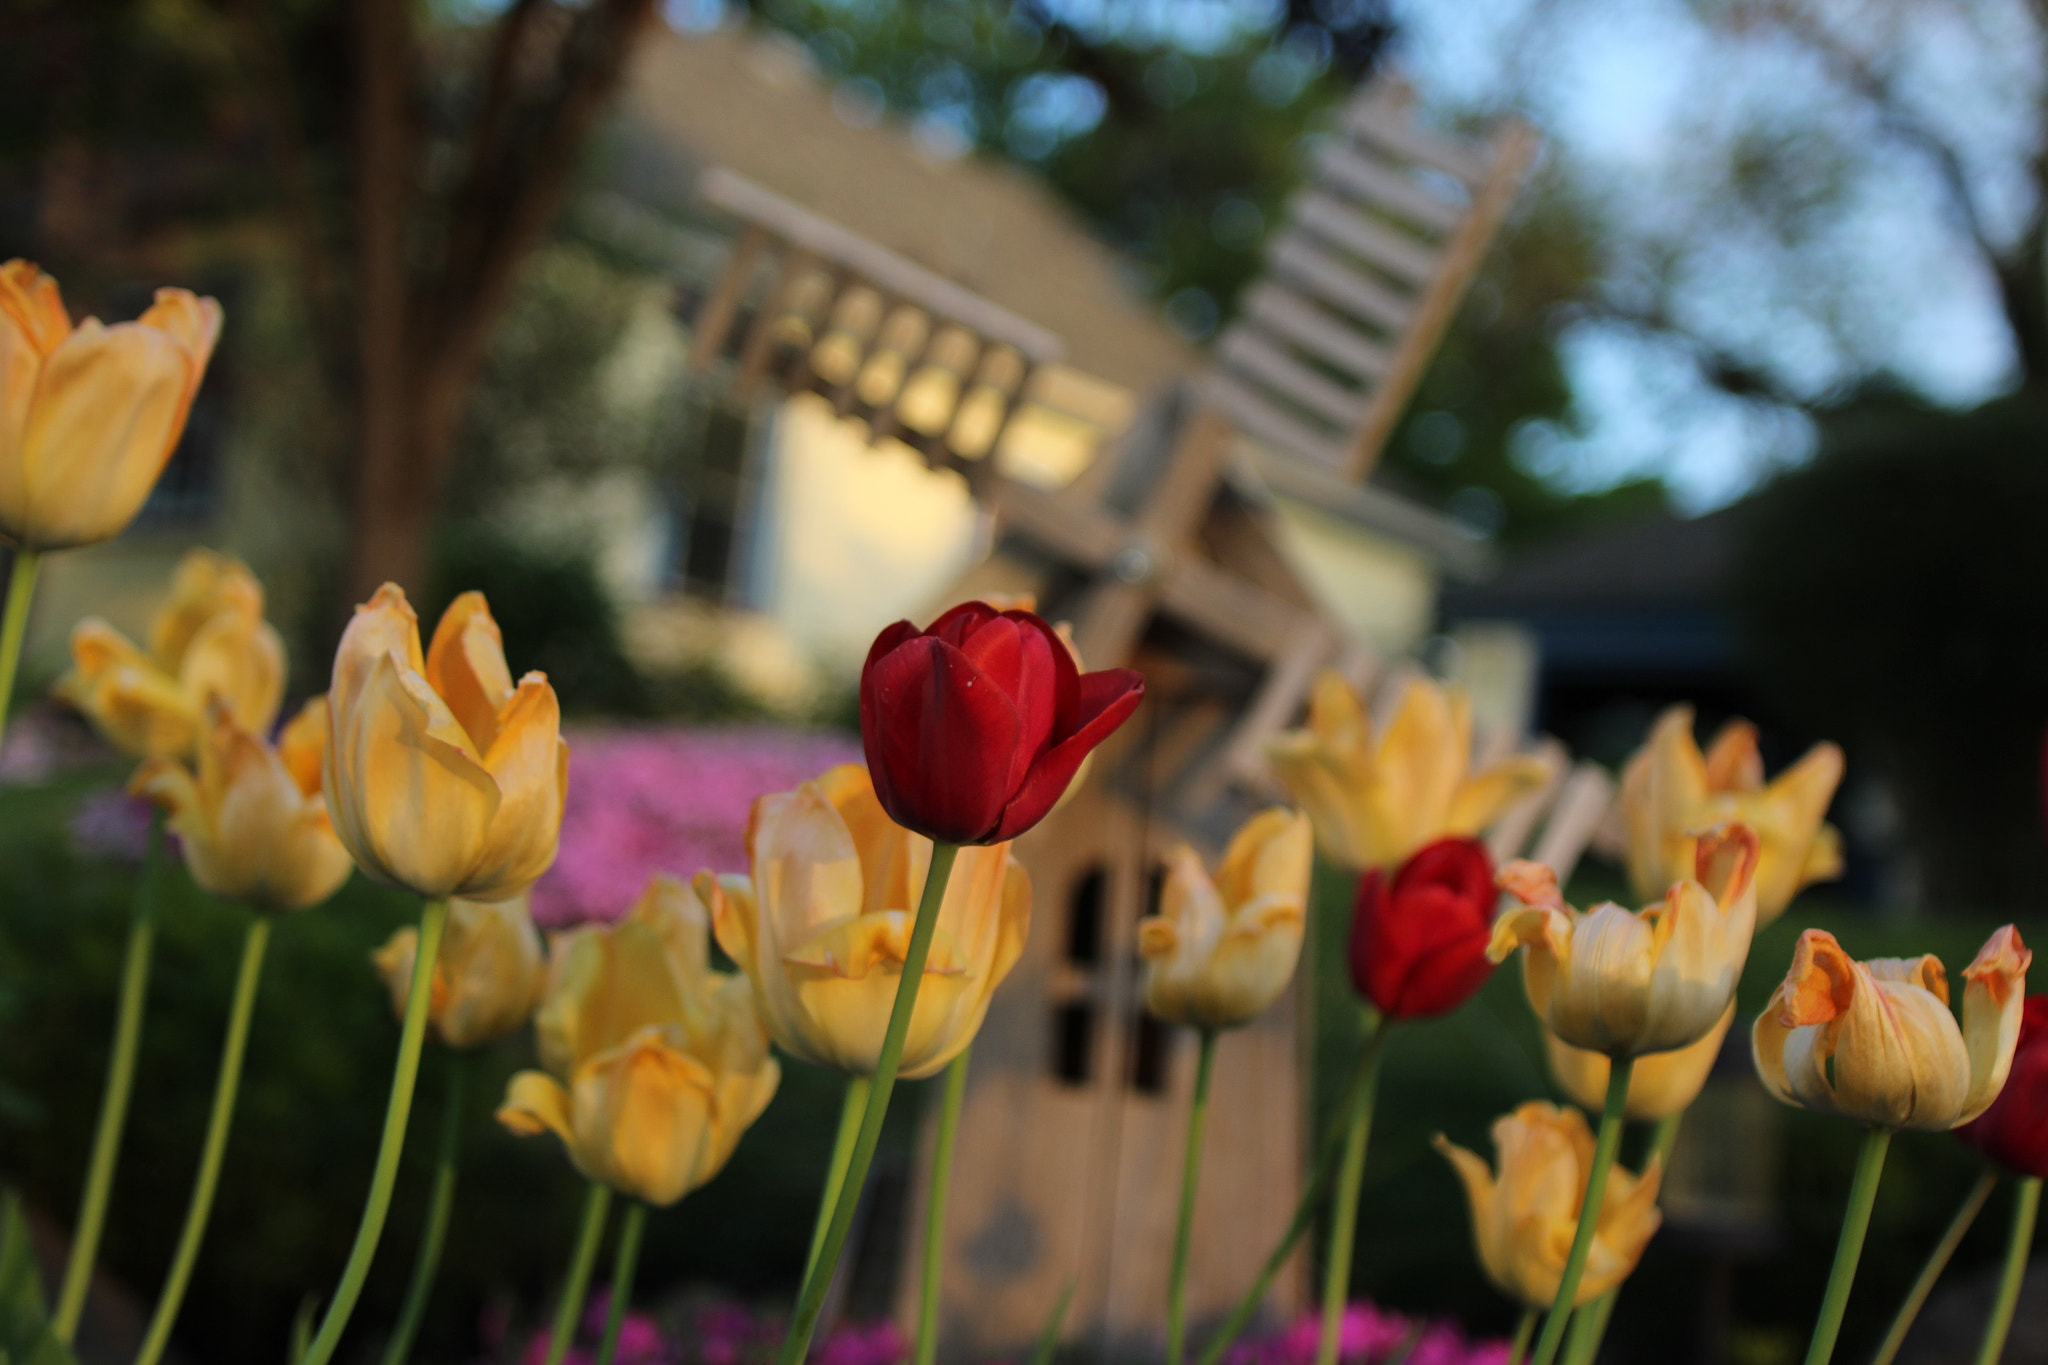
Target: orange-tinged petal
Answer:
pixel 107 412
pixel 466 665
pixel 204 585
pixel 1993 1002
pixel 383 625
pixel 240 660
pixel 302 744
pixel 536 1102
pixel 408 794
pixel 31 303
pixel 1732 762
pixel 1660 1084
pixel 529 764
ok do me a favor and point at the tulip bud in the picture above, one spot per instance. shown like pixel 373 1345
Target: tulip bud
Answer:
pixel 252 823
pixel 1219 952
pixel 1670 791
pixel 2014 1131
pixel 444 778
pixel 89 414
pixel 209 642
pixel 974 728
pixel 823 926
pixel 658 1063
pixel 487 976
pixel 1418 942
pixel 1523 1218
pixel 1875 1041
pixel 1375 803
pixel 1624 983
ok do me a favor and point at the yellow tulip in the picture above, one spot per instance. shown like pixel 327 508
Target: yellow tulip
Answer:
pixel 89 414
pixel 252 822
pixel 1373 804
pixel 823 926
pixel 1219 952
pixel 1523 1219
pixel 1660 1084
pixel 1876 1042
pixel 487 976
pixel 1623 983
pixel 209 641
pixel 1670 791
pixel 444 778
pixel 658 1063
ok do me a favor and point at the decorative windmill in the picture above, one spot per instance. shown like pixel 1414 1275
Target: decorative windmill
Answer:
pixel 1163 555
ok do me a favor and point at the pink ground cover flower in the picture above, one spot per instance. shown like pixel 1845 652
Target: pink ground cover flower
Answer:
pixel 667 799
pixel 1371 1335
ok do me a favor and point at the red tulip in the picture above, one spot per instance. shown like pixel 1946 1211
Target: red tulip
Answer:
pixel 2014 1131
pixel 974 728
pixel 1418 943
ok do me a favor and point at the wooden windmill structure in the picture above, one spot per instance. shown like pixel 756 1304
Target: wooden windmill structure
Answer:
pixel 1162 554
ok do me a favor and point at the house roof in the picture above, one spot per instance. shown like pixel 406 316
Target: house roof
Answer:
pixel 752 104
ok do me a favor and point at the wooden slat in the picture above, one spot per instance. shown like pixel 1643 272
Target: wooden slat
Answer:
pixel 1514 148
pixel 754 351
pixel 1385 188
pixel 1234 613
pixel 714 320
pixel 1295 256
pixel 1272 708
pixel 1261 418
pixel 1107 626
pixel 1246 352
pixel 1391 129
pixel 1386 247
pixel 1279 309
pixel 1076 528
pixel 1182 495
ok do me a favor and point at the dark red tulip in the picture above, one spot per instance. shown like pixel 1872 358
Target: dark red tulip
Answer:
pixel 1418 942
pixel 974 728
pixel 2014 1131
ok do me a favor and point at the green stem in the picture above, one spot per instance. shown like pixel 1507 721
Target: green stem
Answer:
pixel 433 919
pixel 625 1260
pixel 1190 1173
pixel 1524 1329
pixel 439 1205
pixel 576 1284
pixel 1849 1249
pixel 1937 1261
pixel 1344 1210
pixel 851 1110
pixel 1589 1325
pixel 215 1146
pixel 1604 1148
pixel 818 1278
pixel 106 1138
pixel 2026 1203
pixel 1364 1078
pixel 21 591
pixel 935 1208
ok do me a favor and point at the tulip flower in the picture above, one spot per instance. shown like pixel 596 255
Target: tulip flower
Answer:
pixel 1376 802
pixel 657 1064
pixel 251 819
pixel 1524 1214
pixel 1876 1041
pixel 487 977
pixel 976 727
pixel 89 414
pixel 209 641
pixel 1419 939
pixel 2013 1131
pixel 1623 983
pixel 444 778
pixel 1670 791
pixel 823 926
pixel 1219 952
pixel 1659 1085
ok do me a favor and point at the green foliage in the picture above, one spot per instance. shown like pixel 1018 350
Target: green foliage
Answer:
pixel 25 1333
pixel 1891 597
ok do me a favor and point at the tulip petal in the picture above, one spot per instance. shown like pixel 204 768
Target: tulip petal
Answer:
pixel 240 660
pixel 466 665
pixel 1994 1004
pixel 939 737
pixel 1732 762
pixel 30 300
pixel 407 792
pixel 106 415
pixel 383 625
pixel 529 764
pixel 535 1102
pixel 1106 700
